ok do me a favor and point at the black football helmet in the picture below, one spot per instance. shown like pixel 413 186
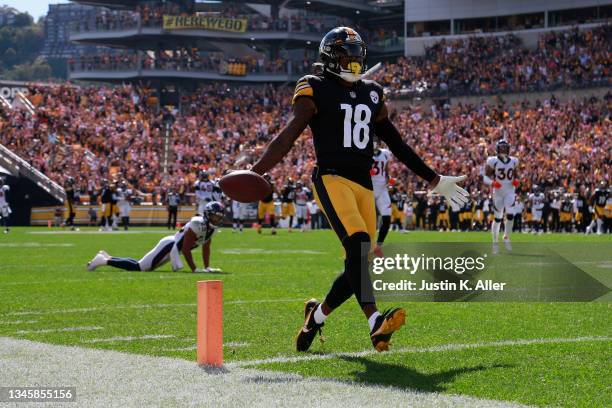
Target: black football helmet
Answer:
pixel 213 211
pixel 203 175
pixel 343 53
pixel 502 148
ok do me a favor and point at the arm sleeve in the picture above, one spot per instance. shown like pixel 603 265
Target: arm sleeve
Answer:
pixel 389 134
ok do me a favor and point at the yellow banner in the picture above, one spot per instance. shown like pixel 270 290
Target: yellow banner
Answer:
pixel 235 25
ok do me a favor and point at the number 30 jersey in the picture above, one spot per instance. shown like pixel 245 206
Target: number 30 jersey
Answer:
pixel 343 125
pixel 504 171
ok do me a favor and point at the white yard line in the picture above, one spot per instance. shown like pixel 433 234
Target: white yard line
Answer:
pixel 143 306
pixel 128 338
pixel 432 349
pixel 105 378
pixel 98 232
pixel 33 245
pixel 18 321
pixel 60 330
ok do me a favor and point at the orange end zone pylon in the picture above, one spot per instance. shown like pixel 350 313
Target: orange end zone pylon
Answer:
pixel 210 323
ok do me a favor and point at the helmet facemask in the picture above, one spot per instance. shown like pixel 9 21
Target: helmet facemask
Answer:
pixel 345 58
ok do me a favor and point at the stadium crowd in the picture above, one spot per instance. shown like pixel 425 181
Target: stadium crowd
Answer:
pixel 122 131
pixel 499 64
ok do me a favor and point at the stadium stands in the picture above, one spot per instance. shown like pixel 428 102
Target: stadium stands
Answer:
pixel 493 65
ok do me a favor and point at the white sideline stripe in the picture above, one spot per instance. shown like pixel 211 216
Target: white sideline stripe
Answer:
pixel 128 338
pixel 262 251
pixel 237 344
pixel 433 349
pixel 143 306
pixel 105 378
pixel 193 348
pixel 18 321
pixel 32 245
pixel 60 330
pixel 97 232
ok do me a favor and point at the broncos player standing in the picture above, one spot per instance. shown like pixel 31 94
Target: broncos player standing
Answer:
pixel 203 191
pixel 380 180
pixel 302 196
pixel 198 231
pixel 501 174
pixel 124 196
pixel 5 210
pixel 343 112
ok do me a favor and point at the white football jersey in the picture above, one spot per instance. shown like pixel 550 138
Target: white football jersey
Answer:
pixel 302 196
pixel 379 168
pixel 3 190
pixel 200 227
pixel 537 201
pixel 204 190
pixel 504 171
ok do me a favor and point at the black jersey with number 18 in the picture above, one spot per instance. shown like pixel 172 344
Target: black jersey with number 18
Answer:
pixel 343 125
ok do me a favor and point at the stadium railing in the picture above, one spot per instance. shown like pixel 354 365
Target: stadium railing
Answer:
pixel 22 168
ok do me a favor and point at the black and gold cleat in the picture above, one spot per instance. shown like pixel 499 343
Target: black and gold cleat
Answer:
pixel 386 324
pixel 310 329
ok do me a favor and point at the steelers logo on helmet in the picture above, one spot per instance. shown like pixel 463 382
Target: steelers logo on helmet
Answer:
pixel 343 54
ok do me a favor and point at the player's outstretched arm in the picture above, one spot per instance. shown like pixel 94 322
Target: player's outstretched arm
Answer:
pixel 206 253
pixel 303 110
pixel 444 185
pixel 189 242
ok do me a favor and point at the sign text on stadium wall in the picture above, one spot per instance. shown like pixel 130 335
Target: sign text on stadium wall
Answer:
pixel 236 25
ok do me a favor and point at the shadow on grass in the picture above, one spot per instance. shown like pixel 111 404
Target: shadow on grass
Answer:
pixel 400 376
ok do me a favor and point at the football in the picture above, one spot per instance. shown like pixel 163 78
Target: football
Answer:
pixel 245 186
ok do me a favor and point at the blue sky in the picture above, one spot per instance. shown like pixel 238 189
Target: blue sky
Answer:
pixel 36 8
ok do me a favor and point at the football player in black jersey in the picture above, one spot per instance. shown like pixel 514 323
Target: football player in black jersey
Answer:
pixel 598 202
pixel 288 202
pixel 70 202
pixel 266 206
pixel 344 111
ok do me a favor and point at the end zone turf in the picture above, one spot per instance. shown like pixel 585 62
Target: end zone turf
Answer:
pixel 526 353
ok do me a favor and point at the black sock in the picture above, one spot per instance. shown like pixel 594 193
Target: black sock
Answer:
pixel 384 229
pixel 127 264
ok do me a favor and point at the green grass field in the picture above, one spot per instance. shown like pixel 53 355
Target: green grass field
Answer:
pixel 532 353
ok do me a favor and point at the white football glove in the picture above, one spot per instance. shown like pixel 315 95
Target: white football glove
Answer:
pixel 455 195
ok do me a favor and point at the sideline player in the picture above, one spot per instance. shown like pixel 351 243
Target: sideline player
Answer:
pixel 598 202
pixel 501 174
pixel 239 211
pixel 266 207
pixel 380 181
pixel 344 111
pixel 537 199
pixel 203 191
pixel 288 202
pixel 5 210
pixel 198 231
pixel 107 197
pixel 302 196
pixel 71 198
pixel 124 197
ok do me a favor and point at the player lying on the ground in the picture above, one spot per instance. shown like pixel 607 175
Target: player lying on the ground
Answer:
pixel 344 111
pixel 198 231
